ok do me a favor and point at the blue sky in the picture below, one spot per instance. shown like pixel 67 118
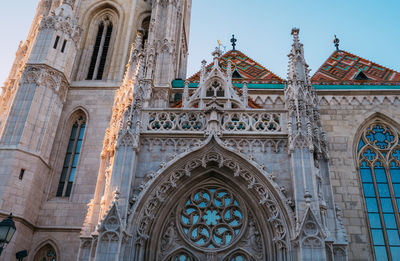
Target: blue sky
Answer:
pixel 370 29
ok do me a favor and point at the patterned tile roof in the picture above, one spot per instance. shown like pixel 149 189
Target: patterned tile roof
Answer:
pixel 249 70
pixel 345 68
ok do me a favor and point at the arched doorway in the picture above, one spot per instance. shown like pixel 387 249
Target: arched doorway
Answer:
pixel 211 205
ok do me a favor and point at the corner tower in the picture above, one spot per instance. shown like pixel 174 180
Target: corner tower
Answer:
pixel 58 100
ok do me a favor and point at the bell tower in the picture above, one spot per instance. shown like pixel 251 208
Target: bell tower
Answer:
pixel 167 46
pixel 36 93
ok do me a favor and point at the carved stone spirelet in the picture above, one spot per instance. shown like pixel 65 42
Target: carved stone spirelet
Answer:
pixel 43 75
pixel 63 20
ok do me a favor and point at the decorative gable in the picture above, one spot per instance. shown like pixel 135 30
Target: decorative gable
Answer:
pixel 215 88
pixel 346 68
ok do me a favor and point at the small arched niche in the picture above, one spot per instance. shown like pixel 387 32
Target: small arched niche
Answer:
pixel 46 253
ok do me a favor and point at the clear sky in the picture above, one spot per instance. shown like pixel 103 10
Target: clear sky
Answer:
pixel 368 28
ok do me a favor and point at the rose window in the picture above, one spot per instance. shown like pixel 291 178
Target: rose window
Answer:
pixel 212 218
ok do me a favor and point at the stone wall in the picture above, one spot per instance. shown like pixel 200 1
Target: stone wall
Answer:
pixel 342 117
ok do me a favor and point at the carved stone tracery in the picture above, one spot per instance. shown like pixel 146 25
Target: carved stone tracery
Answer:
pixel 156 199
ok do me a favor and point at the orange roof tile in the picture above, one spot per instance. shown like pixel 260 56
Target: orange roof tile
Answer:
pixel 249 70
pixel 343 68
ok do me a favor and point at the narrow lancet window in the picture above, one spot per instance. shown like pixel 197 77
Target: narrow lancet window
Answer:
pixel 379 164
pixel 104 52
pixel 100 50
pixel 71 158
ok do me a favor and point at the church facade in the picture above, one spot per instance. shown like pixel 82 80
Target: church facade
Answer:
pixel 109 152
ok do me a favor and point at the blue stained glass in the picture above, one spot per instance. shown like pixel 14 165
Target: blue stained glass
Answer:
pixel 369 190
pixel 364 165
pixel 72 175
pixel 380 137
pixel 75 162
pixel 383 190
pixel 78 147
pixel 73 132
pixel 390 221
pixel 396 188
pixel 238 214
pixel 395 251
pixel 393 236
pixel 366 175
pixel 395 173
pixel 67 160
pixel 380 174
pixel 374 221
pixel 369 154
pixel 396 154
pixel 387 206
pixel 380 253
pixel 211 217
pixel 372 205
pixel 70 146
pixel 377 237
pixel 190 210
pixel 82 131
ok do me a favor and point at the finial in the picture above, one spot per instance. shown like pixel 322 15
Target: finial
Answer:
pixel 336 41
pixel 233 41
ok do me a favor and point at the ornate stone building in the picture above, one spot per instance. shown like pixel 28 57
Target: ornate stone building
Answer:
pixel 107 153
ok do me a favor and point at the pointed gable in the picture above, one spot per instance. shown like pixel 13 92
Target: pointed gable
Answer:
pixel 345 68
pixel 245 67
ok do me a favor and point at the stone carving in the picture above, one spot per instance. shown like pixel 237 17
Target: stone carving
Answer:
pixel 43 75
pixel 62 19
pixel 212 218
pixel 154 202
pixel 259 122
pixel 178 145
pixel 186 121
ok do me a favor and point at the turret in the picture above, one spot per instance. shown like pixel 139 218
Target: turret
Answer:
pixel 30 128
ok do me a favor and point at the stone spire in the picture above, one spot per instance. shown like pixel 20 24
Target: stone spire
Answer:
pixel 308 154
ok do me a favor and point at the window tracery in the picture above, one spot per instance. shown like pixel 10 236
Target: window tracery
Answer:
pixel 215 89
pixel 379 164
pixel 46 253
pixel 71 158
pixel 211 220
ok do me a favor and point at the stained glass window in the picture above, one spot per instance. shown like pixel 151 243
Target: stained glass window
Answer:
pixel 379 163
pixel 71 158
pixel 212 218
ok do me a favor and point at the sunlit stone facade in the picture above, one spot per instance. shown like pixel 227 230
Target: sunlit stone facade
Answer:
pixel 108 153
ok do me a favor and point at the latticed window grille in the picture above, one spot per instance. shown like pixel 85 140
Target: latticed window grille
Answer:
pixel 379 164
pixel 71 158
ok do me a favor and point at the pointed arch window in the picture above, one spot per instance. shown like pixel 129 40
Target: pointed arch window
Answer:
pixel 46 253
pixel 100 50
pixel 71 158
pixel 379 165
